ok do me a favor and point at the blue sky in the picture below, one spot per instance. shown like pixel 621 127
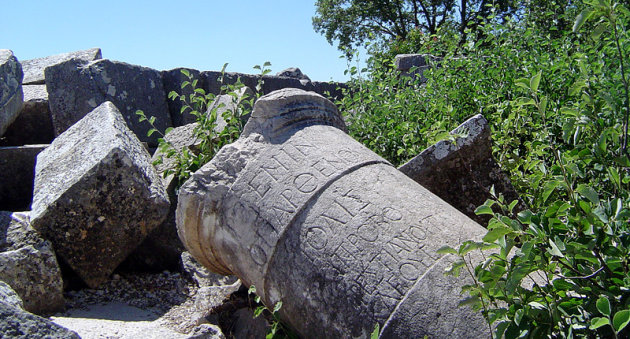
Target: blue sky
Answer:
pixel 178 33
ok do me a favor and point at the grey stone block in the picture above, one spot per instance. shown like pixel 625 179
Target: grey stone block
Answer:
pixel 34 123
pixel 9 296
pixel 96 194
pixel 17 171
pixel 462 173
pixel 28 264
pixel 212 80
pixel 293 72
pixel 314 219
pixel 34 68
pixel 271 83
pixel 404 62
pixel 11 95
pixel 76 88
pixel 422 62
pixel 19 324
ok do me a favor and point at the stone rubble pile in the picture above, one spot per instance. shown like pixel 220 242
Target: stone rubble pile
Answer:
pixel 80 199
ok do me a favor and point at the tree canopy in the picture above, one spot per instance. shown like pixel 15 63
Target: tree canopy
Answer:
pixel 353 22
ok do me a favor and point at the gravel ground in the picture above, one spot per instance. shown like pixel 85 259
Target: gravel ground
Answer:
pixel 145 305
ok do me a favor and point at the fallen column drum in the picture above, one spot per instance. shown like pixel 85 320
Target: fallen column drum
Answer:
pixel 312 218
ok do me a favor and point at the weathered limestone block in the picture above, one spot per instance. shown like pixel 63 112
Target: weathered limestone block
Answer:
pixel 314 219
pixel 28 265
pixel 96 194
pixel 462 173
pixel 9 296
pixel 293 72
pixel 404 62
pixel 11 95
pixel 34 124
pixel 226 102
pixel 76 88
pixel 212 80
pixel 34 68
pixel 17 168
pixel 271 83
pixel 16 323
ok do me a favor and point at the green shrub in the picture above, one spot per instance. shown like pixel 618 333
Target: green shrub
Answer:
pixel 205 132
pixel 557 102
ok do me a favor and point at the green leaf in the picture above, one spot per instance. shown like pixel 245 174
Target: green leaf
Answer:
pixel 258 311
pixel 535 81
pixel 598 322
pixel 496 233
pixel 376 331
pixel 484 209
pixel 588 193
pixel 555 251
pixel 446 250
pixel 581 19
pixel 277 307
pixel 549 187
pixel 621 320
pixel 603 306
pixel 518 316
pixel 455 268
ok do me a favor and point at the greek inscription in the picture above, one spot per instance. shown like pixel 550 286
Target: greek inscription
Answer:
pixel 316 237
pixel 392 214
pixel 282 212
pixel 418 233
pixel 408 271
pixel 324 167
pixel 351 203
pixel 265 232
pixel 260 184
pixel 258 255
pixel 287 194
pixel 348 155
pixel 368 231
pixel 305 183
pixel 332 217
pixel 275 169
pixel 284 157
pixel 304 148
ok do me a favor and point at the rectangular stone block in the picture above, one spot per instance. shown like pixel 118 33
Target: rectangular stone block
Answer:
pixel 11 94
pixel 34 68
pixel 75 88
pixel 28 264
pixel 33 125
pixel 96 194
pixel 462 173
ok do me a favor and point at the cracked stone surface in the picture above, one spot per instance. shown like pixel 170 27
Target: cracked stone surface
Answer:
pixel 96 194
pixel 314 219
pixel 75 88
pixel 462 172
pixel 11 95
pixel 34 68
